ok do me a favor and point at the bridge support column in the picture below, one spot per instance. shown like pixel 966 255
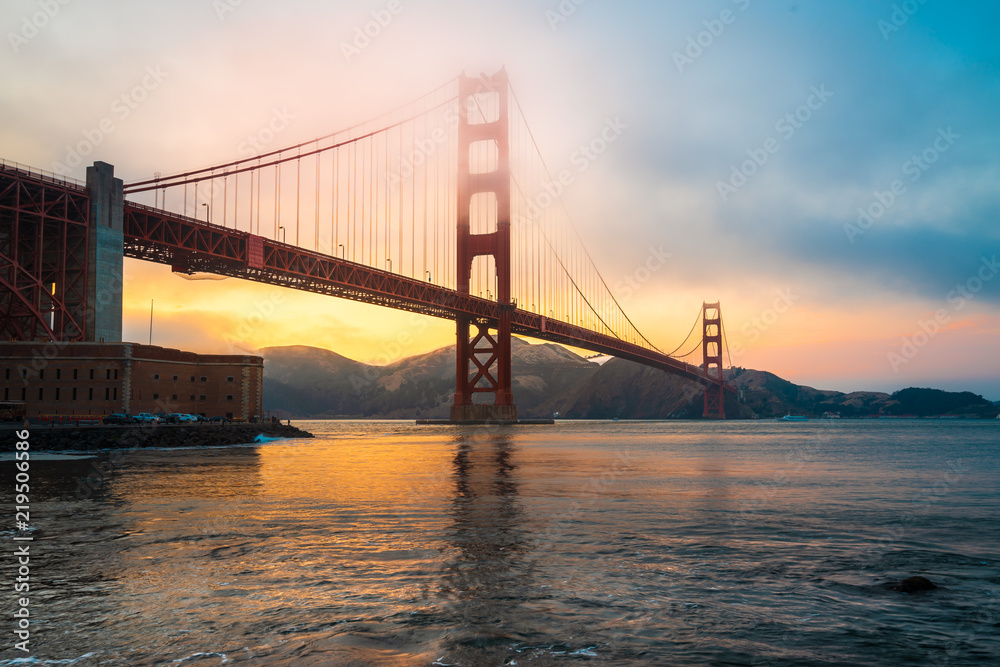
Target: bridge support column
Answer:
pixel 106 247
pixel 483 131
pixel 463 394
pixel 711 322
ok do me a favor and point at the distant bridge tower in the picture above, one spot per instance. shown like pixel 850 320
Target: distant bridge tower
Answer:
pixel 711 323
pixel 483 130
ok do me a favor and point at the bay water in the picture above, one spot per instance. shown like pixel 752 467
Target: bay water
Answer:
pixel 605 543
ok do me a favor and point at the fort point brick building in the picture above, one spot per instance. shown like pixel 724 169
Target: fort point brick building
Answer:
pixel 98 379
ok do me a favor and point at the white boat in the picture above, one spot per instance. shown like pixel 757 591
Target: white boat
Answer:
pixel 793 418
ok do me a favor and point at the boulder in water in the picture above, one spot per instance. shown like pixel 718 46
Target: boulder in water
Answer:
pixel 914 585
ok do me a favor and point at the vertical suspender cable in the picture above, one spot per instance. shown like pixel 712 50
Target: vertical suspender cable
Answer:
pixel 334 202
pixel 385 199
pixel 423 272
pixel 370 219
pixel 298 196
pixel 413 204
pixel 436 214
pixel 317 158
pixel 399 187
pixel 357 252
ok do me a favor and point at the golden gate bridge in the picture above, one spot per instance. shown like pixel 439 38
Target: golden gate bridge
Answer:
pixel 442 207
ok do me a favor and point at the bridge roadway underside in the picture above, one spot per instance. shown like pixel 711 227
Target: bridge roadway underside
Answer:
pixel 190 245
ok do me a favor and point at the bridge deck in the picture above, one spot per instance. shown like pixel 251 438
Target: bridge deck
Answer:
pixel 191 245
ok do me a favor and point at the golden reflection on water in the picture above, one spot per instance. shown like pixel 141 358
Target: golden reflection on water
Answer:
pixel 485 579
pixel 397 469
pixel 294 511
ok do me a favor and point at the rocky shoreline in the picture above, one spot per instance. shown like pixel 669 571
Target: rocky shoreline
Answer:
pixel 90 438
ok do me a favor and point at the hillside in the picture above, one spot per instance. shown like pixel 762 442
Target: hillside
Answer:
pixel 307 382
pixel 310 382
pixel 769 396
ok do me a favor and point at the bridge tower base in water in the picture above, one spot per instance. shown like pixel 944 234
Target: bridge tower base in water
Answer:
pixel 484 346
pixel 711 322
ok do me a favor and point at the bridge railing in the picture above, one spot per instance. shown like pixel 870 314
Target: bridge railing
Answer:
pixel 42 175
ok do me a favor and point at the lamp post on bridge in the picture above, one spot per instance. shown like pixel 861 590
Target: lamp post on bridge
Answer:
pixel 340 246
pixel 208 212
pixel 281 228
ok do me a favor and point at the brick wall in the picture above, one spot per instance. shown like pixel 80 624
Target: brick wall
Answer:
pixel 97 379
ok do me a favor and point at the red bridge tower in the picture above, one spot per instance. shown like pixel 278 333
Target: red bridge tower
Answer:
pixel 711 323
pixel 484 99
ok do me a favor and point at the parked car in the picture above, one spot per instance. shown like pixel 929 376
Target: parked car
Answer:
pixel 199 418
pixel 179 418
pixel 219 420
pixel 144 418
pixel 118 418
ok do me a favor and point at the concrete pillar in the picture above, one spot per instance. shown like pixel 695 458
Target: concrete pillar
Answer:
pixel 127 379
pixel 106 255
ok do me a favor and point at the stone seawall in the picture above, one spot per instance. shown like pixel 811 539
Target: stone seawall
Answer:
pixel 46 438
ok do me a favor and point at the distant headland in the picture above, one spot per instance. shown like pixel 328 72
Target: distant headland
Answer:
pixel 307 382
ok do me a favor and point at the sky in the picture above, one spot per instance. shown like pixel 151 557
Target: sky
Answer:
pixel 827 171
